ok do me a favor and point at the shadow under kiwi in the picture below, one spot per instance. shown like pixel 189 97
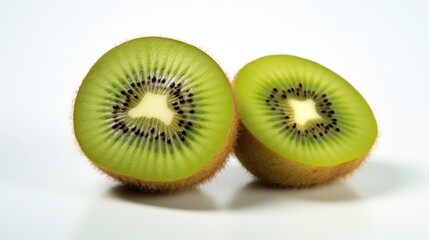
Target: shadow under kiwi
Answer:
pixel 193 199
pixel 373 179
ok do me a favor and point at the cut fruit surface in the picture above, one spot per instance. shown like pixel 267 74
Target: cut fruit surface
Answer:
pixel 155 110
pixel 303 111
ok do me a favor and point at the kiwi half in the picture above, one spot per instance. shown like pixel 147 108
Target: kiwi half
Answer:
pixel 302 124
pixel 156 113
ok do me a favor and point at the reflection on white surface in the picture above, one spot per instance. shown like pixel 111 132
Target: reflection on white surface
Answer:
pixel 237 205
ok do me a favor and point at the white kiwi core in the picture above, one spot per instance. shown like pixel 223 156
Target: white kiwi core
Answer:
pixel 153 106
pixel 304 111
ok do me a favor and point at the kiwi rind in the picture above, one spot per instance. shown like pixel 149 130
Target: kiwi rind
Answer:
pixel 276 170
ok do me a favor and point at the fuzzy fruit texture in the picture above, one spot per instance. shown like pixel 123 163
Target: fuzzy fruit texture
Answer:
pixel 301 124
pixel 156 113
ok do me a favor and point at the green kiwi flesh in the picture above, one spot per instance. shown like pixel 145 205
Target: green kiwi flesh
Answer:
pixel 156 113
pixel 311 125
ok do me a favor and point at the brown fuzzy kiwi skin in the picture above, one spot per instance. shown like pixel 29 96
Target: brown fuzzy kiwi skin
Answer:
pixel 203 175
pixel 276 170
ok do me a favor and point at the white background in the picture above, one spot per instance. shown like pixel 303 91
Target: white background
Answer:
pixel 48 190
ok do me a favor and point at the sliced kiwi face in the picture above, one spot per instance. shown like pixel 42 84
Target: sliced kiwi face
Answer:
pixel 302 112
pixel 155 112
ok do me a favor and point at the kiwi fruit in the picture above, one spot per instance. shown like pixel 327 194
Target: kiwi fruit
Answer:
pixel 156 113
pixel 301 123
